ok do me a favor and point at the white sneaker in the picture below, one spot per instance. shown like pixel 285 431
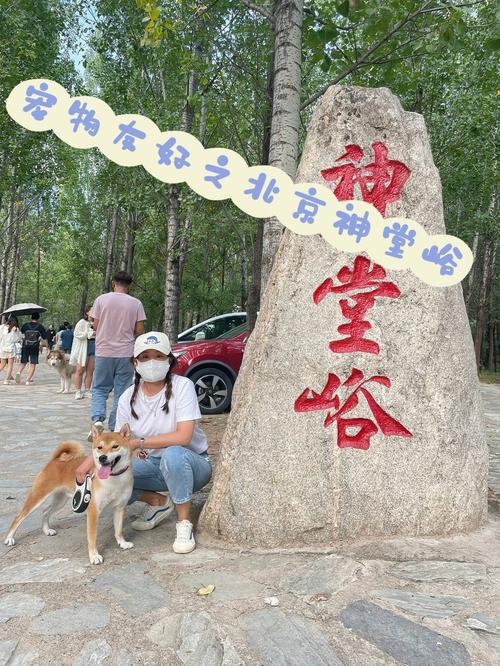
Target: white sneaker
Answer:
pixel 8 381
pixel 100 426
pixel 78 395
pixel 184 541
pixel 29 382
pixel 153 516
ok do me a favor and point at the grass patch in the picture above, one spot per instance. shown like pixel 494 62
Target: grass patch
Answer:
pixel 489 377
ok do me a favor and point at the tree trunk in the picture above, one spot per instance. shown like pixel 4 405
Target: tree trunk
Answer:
pixel 172 282
pixel 183 246
pixel 11 273
pixel 470 282
pixel 85 294
pixel 38 266
pixel 244 271
pixel 223 270
pixel 203 120
pixel 5 254
pixel 13 262
pixel 491 323
pixel 127 261
pixel 495 347
pixel 285 125
pixel 484 295
pixel 253 302
pixel 110 250
pixel 491 346
pixel 172 277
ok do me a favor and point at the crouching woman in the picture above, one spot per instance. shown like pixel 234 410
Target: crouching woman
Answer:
pixel 163 413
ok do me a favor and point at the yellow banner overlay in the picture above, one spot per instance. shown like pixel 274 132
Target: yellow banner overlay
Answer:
pixel 219 173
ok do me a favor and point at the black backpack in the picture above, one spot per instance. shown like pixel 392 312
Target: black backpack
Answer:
pixel 31 337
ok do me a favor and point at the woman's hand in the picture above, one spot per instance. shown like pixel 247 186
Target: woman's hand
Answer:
pixel 84 468
pixel 136 444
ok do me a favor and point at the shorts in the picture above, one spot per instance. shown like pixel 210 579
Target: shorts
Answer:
pixel 90 348
pixel 30 355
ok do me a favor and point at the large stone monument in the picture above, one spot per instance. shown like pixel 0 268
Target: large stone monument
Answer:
pixel 357 410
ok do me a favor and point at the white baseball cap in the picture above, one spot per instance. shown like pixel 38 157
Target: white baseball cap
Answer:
pixel 152 340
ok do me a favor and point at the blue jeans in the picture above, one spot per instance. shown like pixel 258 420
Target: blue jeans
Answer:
pixel 179 470
pixel 110 374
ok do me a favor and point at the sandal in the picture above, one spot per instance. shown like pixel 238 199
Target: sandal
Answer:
pixel 82 495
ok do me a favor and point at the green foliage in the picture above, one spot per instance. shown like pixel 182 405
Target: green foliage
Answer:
pixel 136 55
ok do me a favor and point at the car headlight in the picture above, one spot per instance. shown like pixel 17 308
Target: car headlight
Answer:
pixel 178 354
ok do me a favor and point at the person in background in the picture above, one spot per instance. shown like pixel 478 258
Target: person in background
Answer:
pixel 57 339
pixel 80 357
pixel 32 332
pixel 51 334
pixel 118 319
pixel 67 338
pixel 3 331
pixel 89 368
pixel 10 336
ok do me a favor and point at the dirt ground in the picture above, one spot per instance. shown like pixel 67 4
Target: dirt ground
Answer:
pixel 214 427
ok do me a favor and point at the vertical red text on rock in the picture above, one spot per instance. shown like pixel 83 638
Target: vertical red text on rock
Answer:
pixel 380 182
pixel 328 399
pixel 360 286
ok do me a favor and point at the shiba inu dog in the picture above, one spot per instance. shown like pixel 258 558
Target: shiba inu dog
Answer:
pixel 60 361
pixel 112 484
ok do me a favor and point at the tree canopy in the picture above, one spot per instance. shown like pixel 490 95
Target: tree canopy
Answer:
pixel 69 218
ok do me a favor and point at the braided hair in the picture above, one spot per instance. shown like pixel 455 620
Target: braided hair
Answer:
pixel 168 387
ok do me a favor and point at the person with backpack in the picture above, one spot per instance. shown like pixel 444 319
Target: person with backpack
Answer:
pixel 33 332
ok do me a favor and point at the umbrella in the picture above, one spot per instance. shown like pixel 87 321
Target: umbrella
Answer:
pixel 24 309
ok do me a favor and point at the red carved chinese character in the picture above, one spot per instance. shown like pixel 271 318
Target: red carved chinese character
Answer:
pixel 328 399
pixel 380 182
pixel 360 277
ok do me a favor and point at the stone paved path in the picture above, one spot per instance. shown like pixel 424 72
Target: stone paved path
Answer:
pixel 491 402
pixel 419 602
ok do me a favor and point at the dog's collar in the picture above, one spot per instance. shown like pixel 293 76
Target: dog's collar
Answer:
pixel 120 472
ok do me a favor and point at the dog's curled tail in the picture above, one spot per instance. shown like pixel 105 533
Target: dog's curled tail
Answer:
pixel 67 451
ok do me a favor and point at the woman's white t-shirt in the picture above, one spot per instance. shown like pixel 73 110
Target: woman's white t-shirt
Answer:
pixel 152 421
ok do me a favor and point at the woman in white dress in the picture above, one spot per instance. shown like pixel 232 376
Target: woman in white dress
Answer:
pixel 82 336
pixel 10 337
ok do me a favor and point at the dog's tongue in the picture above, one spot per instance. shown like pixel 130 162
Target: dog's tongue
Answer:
pixel 104 472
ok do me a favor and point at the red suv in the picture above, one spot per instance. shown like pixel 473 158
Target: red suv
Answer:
pixel 213 366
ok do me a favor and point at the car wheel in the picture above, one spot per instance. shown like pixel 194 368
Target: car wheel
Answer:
pixel 214 388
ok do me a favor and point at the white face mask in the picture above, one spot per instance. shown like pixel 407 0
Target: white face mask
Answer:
pixel 153 371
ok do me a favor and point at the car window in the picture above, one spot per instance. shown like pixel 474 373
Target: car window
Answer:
pixel 233 332
pixel 228 323
pixel 214 329
pixel 192 334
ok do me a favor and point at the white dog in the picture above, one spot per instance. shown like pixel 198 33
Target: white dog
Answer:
pixel 60 361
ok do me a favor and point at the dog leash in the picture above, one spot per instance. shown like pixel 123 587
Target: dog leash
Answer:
pixel 83 492
pixel 82 495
